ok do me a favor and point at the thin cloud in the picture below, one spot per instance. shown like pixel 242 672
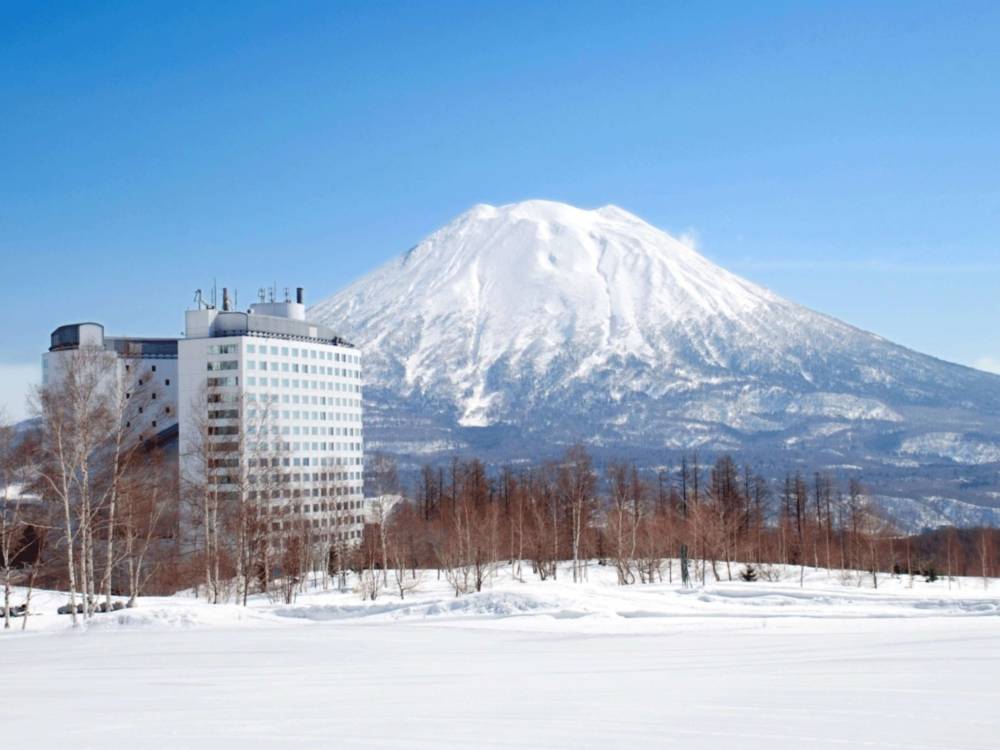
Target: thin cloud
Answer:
pixel 690 238
pixel 875 264
pixel 989 364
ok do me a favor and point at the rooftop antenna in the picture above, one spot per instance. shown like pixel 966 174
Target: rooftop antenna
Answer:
pixel 214 293
pixel 274 287
pixel 261 295
pixel 287 297
pixel 197 298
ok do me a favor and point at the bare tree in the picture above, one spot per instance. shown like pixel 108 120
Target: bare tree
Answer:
pixel 12 522
pixel 576 483
pixel 76 421
pixel 622 522
pixel 207 449
pixel 985 554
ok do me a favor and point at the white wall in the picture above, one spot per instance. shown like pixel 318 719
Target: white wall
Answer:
pixel 311 392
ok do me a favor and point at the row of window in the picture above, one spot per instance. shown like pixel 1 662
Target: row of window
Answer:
pixel 315 461
pixel 285 351
pixel 304 430
pixel 298 414
pixel 166 412
pixel 300 430
pixel 293 398
pixel 316 385
pixel 152 397
pixel 297 479
pixel 293 367
pixel 128 368
pixel 284 510
pixel 334 491
pixel 316 476
pixel 317 523
pixel 316 447
pixel 342 536
pixel 221 448
pixel 335 372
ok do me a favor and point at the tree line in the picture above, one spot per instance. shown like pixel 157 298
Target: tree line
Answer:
pixel 695 524
pixel 93 504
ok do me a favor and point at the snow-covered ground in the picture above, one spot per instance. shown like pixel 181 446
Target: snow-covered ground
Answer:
pixel 554 665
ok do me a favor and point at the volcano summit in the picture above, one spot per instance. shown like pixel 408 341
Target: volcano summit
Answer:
pixel 518 329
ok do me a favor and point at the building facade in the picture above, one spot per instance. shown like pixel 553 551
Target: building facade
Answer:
pixel 142 371
pixel 261 407
pixel 270 412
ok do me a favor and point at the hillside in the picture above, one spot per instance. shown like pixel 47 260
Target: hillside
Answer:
pixel 516 330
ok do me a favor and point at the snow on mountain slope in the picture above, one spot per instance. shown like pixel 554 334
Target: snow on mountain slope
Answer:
pixel 959 448
pixel 546 323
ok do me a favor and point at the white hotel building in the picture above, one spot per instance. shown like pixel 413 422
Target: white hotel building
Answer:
pixel 288 392
pixel 147 367
pixel 278 396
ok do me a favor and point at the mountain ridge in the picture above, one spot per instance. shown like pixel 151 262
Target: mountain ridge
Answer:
pixel 549 324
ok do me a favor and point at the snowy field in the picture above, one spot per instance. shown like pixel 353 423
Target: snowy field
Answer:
pixel 546 665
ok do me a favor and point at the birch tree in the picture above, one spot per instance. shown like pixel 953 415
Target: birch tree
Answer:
pixel 577 483
pixel 75 418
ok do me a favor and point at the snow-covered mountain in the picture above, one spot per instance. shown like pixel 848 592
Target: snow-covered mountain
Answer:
pixel 520 328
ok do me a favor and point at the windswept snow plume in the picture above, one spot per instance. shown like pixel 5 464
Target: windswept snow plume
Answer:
pixel 535 324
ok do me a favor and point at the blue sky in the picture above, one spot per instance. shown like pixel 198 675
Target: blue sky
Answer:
pixel 845 155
